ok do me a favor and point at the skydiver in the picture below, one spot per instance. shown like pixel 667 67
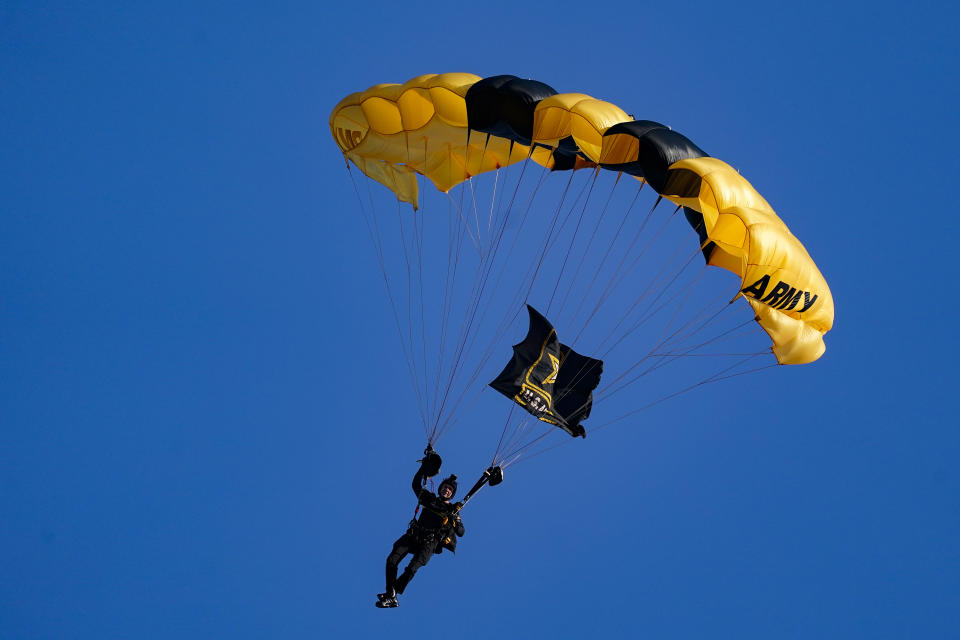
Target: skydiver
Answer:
pixel 437 528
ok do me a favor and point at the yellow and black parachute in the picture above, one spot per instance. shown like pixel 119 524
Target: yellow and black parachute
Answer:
pixel 452 126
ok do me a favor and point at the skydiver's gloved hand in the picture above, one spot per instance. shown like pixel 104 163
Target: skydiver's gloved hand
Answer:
pixel 456 509
pixel 430 463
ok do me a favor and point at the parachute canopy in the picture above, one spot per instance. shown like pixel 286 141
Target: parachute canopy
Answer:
pixel 452 126
pixel 550 380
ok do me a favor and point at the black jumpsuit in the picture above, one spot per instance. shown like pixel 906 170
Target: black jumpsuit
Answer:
pixel 423 536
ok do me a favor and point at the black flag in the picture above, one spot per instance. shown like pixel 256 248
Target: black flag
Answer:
pixel 550 380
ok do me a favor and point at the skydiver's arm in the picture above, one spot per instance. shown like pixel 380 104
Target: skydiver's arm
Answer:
pixel 418 483
pixel 459 528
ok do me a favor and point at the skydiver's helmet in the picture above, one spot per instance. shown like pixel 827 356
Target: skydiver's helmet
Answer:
pixel 449 481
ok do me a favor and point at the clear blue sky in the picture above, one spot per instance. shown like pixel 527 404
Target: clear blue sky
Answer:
pixel 188 300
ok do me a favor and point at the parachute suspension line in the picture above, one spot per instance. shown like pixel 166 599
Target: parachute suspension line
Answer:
pixel 550 241
pixel 718 376
pixel 648 315
pixel 522 429
pixel 373 229
pixel 505 321
pixel 411 330
pixel 712 355
pixel 658 284
pixel 661 289
pixel 478 244
pixel 507 449
pixel 466 225
pixel 450 289
pixel 418 234
pixel 477 295
pixel 517 457
pixel 662 340
pixel 509 318
pixel 677 336
pixel 554 236
pixel 586 251
pixel 413 250
pixel 573 238
pixel 515 454
pixel 663 337
pixel 675 339
pixel 608 253
pixel 416 239
pixel 455 236
pixel 588 369
pixel 661 283
pixel 501 226
pixel 609 391
pixel 513 449
pixel 496 179
pixel 686 298
pixel 453 362
pixel 503 433
pixel 644 358
pixel 457 232
pixel 653 282
pixel 619 275
pixel 665 360
pixel 409 353
pixel 407 249
pixel 730 334
pixel 476 214
pixel 505 261
pixel 508 460
pixel 675 349
pixel 534 266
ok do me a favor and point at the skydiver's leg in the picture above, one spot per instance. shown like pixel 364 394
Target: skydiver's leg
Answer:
pixel 421 557
pixel 400 549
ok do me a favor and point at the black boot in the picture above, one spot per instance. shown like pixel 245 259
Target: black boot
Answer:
pixel 386 601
